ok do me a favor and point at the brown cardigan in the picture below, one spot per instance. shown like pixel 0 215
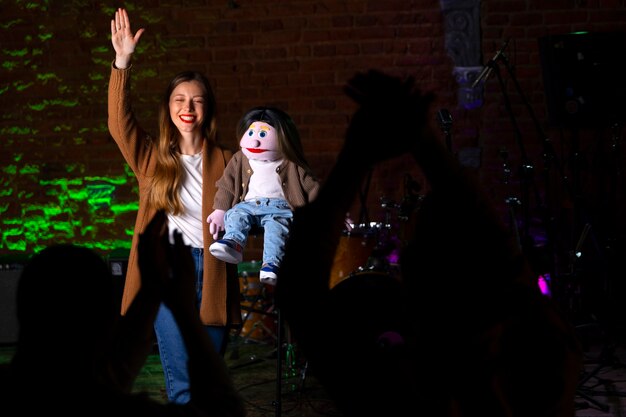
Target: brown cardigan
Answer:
pixel 299 186
pixel 220 292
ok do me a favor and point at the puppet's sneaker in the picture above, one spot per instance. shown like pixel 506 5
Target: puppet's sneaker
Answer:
pixel 227 250
pixel 267 274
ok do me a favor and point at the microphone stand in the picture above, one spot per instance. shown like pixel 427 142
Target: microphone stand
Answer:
pixel 550 156
pixel 445 123
pixel 527 168
pixel 363 214
pixel 491 64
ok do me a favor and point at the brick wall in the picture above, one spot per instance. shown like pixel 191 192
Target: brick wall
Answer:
pixel 63 178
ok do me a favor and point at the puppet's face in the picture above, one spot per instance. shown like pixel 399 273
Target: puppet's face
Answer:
pixel 260 142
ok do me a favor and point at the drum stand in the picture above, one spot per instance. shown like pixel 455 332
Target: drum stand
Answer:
pixel 287 349
pixel 256 304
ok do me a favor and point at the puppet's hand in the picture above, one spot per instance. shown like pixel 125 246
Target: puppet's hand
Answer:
pixel 216 222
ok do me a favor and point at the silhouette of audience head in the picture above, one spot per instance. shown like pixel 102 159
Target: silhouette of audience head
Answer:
pixel 67 308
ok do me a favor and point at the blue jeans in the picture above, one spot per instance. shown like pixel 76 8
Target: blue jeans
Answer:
pixel 172 348
pixel 272 214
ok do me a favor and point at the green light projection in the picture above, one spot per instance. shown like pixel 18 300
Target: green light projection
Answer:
pixel 62 179
pixel 68 209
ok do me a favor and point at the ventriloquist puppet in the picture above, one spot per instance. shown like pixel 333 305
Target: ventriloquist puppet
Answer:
pixel 261 186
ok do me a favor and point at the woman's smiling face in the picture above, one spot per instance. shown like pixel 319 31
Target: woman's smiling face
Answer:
pixel 187 106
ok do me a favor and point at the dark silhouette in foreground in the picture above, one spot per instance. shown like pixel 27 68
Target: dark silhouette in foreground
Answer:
pixel 77 356
pixel 463 330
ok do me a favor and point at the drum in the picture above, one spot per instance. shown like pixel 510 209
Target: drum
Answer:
pixel 257 305
pixel 258 325
pixel 251 288
pixel 354 248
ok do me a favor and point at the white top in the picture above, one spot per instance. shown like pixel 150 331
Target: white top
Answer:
pixel 264 182
pixel 189 222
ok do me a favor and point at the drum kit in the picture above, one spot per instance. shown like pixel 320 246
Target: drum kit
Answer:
pixel 374 247
pixel 364 248
pixel 368 251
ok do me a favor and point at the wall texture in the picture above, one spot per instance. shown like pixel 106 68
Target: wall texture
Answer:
pixel 63 179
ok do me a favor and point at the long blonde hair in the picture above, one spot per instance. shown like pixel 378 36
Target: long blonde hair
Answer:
pixel 168 173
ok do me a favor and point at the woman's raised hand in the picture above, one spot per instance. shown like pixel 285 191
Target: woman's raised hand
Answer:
pixel 122 38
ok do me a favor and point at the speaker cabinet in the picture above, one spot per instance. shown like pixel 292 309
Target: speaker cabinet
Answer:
pixel 9 277
pixel 8 312
pixel 583 76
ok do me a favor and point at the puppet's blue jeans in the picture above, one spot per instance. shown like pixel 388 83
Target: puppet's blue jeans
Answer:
pixel 171 346
pixel 272 214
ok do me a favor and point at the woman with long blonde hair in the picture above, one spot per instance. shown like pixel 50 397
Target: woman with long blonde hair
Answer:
pixel 176 172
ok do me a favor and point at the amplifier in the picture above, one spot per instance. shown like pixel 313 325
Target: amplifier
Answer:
pixel 8 311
